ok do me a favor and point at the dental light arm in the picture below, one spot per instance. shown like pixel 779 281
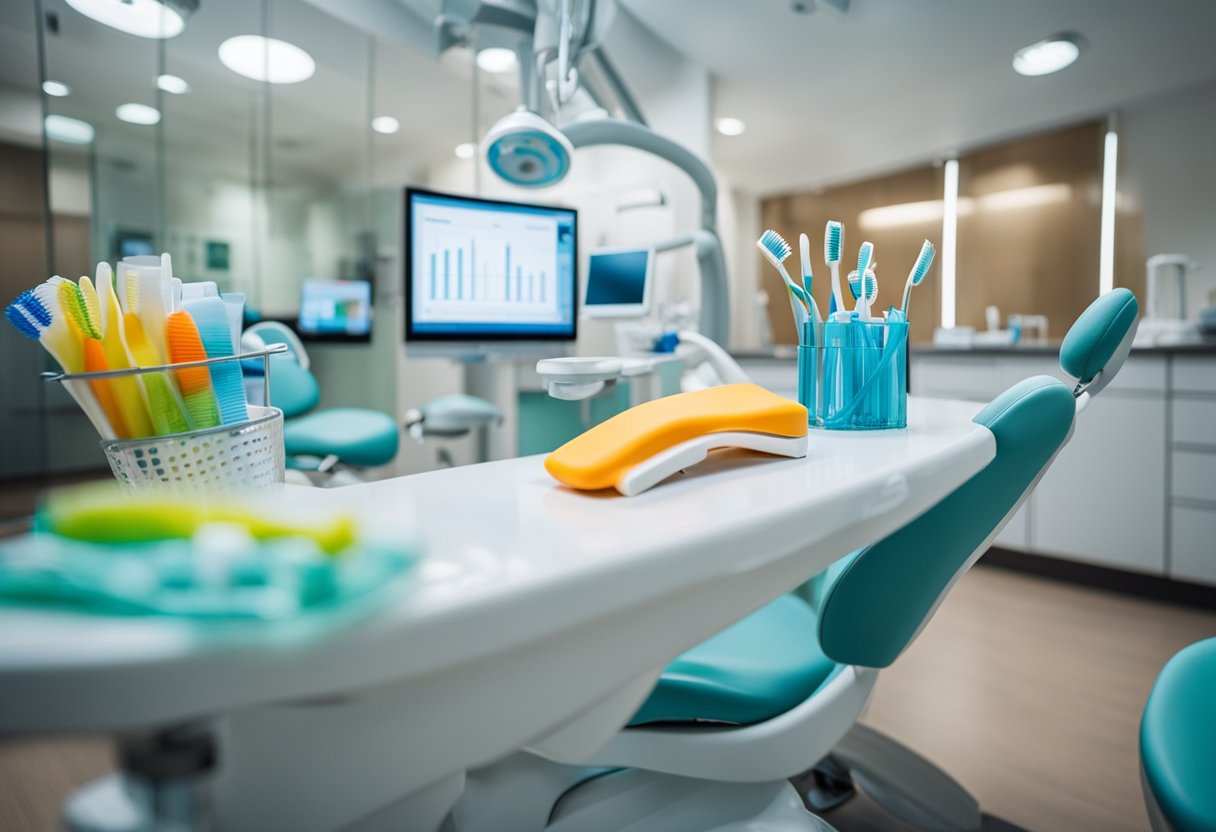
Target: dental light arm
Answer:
pixel 715 297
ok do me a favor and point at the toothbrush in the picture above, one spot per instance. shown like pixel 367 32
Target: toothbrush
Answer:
pixel 184 345
pixel 211 319
pixel 774 247
pixel 833 242
pixel 804 252
pixel 864 255
pixel 871 286
pixel 37 314
pixel 919 269
pixel 127 390
pixel 166 413
pixel 86 313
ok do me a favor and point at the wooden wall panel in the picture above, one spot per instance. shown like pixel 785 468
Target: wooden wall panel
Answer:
pixel 1028 235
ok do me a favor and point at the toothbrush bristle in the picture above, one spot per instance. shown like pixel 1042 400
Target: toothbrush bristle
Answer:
pixel 132 297
pixel 871 285
pixel 776 244
pixel 19 316
pixel 864 255
pixel 833 240
pixel 71 299
pixel 92 305
pixel 923 262
pixel 33 307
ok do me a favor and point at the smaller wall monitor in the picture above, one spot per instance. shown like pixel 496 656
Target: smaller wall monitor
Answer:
pixel 618 283
pixel 335 310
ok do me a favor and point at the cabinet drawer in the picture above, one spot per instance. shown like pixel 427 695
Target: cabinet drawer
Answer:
pixel 1193 547
pixel 1195 374
pixel 1194 422
pixel 1194 476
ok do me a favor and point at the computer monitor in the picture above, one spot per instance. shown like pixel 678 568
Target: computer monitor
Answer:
pixel 488 276
pixel 335 310
pixel 618 283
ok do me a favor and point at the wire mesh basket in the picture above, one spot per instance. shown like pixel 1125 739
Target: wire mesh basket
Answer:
pixel 242 455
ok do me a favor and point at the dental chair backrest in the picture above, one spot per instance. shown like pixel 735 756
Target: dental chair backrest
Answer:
pixel 293 388
pixel 879 598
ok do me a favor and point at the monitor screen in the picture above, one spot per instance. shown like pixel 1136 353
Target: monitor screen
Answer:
pixel 618 282
pixel 336 309
pixel 479 269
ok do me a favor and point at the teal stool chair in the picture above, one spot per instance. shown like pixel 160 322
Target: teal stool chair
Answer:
pixel 1178 743
pixel 326 442
pixel 730 721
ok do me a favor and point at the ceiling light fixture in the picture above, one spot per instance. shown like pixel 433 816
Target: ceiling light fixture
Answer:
pixel 496 59
pixel 140 114
pixel 729 126
pixel 466 150
pixel 56 88
pixel 157 19
pixel 70 130
pixel 386 125
pixel 1049 55
pixel 172 84
pixel 267 59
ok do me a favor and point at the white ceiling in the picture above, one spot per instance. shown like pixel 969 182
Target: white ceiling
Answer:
pixel 893 83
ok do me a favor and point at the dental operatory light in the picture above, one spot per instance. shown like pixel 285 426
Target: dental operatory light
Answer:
pixel 58 89
pixel 70 130
pixel 466 150
pixel 525 150
pixel 143 18
pixel 496 59
pixel 267 59
pixel 729 126
pixel 1048 55
pixel 138 114
pixel 172 84
pixel 386 125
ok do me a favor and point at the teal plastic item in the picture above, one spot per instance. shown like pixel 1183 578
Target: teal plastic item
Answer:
pixel 1096 335
pixel 293 389
pixel 754 670
pixel 222 579
pixel 810 366
pixel 1178 739
pixel 354 435
pixel 878 603
pixel 864 376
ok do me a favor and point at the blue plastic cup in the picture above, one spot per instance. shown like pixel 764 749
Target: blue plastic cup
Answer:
pixel 810 368
pixel 864 375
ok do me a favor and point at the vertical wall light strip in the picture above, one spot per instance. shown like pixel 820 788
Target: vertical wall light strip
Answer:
pixel 1106 256
pixel 949 240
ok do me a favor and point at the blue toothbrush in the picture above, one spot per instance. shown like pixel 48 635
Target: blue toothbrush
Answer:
pixel 211 318
pixel 919 269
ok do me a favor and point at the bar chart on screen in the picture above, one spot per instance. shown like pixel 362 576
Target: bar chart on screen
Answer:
pixel 479 264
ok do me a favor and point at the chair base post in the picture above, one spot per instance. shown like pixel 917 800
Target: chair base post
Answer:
pixel 905 784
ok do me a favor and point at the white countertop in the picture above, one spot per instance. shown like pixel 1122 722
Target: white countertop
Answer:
pixel 512 559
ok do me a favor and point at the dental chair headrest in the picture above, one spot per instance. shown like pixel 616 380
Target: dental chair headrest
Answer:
pixel 1098 343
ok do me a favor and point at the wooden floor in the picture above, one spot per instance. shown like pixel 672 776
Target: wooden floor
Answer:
pixel 1028 691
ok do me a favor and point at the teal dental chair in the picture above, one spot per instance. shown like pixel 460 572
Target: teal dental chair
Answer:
pixel 732 720
pixel 1178 743
pixel 326 443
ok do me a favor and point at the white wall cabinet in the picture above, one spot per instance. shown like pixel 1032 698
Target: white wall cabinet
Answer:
pixel 1136 487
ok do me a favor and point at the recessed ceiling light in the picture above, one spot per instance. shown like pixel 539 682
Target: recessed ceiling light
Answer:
pixel 1047 56
pixel 729 126
pixel 64 129
pixel 496 59
pixel 467 150
pixel 137 114
pixel 142 18
pixel 386 125
pixel 56 88
pixel 172 84
pixel 267 59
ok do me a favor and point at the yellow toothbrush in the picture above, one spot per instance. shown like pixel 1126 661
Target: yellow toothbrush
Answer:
pixel 127 392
